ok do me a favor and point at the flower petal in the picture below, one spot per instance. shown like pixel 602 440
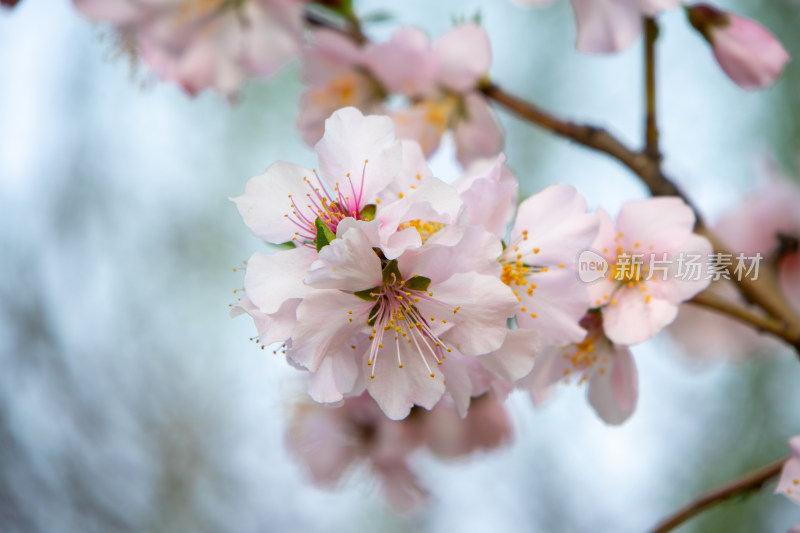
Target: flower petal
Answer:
pixel 465 55
pixel 613 394
pixel 632 319
pixel 272 279
pixel 266 204
pixel 362 148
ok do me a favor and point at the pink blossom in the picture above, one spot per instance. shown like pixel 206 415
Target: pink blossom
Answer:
pixel 332 441
pixel 487 426
pixel 647 253
pixel 489 190
pixel 406 64
pixel 606 26
pixel 441 79
pixel 789 483
pixel 358 158
pixel 748 53
pixel 335 74
pixel 206 43
pixel 608 369
pixel 402 318
pixel 540 263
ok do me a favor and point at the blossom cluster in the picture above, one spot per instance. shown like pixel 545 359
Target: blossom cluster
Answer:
pixel 396 283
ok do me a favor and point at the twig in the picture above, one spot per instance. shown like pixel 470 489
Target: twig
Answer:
pixel 767 324
pixel 747 483
pixel 651 126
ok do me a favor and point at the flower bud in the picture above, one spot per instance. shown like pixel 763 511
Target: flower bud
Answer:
pixel 748 53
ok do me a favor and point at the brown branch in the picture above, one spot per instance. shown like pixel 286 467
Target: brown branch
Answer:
pixel 589 136
pixel 709 300
pixel 748 483
pixel 651 126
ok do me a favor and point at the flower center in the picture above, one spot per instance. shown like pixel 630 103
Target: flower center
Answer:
pixel 426 229
pixel 582 356
pixel 329 208
pixel 398 325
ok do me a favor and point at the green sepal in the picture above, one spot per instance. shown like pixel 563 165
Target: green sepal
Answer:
pixel 368 213
pixel 374 17
pixel 373 314
pixel 367 294
pixel 391 272
pixel 324 235
pixel 288 245
pixel 418 283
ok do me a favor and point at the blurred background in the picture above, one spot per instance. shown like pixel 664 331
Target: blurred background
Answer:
pixel 131 402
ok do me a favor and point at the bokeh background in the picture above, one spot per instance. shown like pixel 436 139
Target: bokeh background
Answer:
pixel 131 402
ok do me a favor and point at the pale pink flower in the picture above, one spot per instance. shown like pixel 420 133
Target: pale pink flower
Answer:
pixel 406 64
pixel 335 75
pixel 606 26
pixel 489 190
pixel 648 253
pixel 485 427
pixel 608 370
pixel 441 79
pixel 402 318
pixel 748 53
pixel 331 441
pixel 206 43
pixel 789 483
pixel 552 227
pixel 358 157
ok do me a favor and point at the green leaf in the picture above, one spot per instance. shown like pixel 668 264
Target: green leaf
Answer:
pixel 418 283
pixel 391 272
pixel 368 213
pixel 367 294
pixel 324 235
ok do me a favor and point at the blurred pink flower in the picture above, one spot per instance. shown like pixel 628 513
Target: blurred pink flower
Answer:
pixel 606 26
pixel 752 228
pixel 206 43
pixel 608 369
pixel 441 80
pixel 748 53
pixel 647 252
pixel 335 75
pixel 330 442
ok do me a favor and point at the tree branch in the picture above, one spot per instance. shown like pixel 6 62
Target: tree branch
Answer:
pixel 767 324
pixel 747 483
pixel 651 125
